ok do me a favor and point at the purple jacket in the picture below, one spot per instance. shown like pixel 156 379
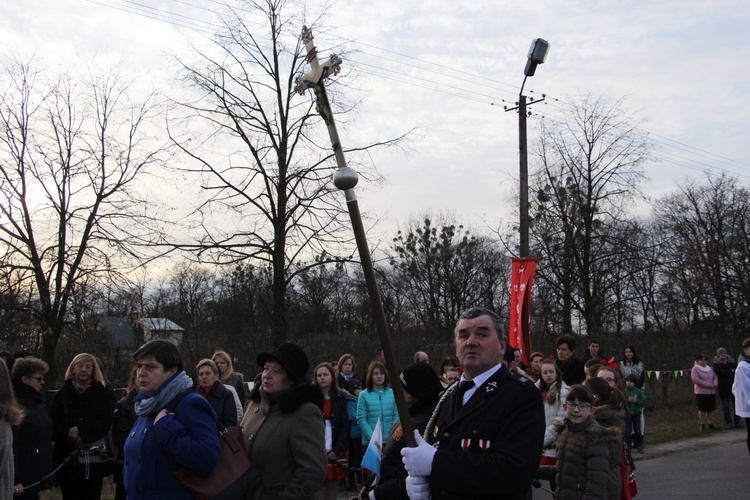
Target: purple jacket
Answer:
pixel 705 381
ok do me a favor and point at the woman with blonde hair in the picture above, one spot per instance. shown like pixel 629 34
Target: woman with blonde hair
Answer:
pixel 230 377
pixel 81 415
pixel 11 413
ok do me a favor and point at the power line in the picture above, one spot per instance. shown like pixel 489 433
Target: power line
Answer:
pixel 446 72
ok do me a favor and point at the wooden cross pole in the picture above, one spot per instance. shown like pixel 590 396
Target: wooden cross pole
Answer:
pixel 346 179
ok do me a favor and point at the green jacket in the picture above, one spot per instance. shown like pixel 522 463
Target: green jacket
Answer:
pixel 640 400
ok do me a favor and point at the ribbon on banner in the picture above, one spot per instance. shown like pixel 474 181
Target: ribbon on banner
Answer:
pixel 521 281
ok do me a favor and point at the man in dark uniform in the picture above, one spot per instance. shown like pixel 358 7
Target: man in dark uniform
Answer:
pixel 486 441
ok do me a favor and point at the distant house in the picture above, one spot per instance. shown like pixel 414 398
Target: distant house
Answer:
pixel 129 333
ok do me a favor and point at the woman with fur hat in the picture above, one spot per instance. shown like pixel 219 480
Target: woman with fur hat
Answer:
pixel 283 427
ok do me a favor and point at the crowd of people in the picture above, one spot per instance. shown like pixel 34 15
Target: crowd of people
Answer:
pixel 487 424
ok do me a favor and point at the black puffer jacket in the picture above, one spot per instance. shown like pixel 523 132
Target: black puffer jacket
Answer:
pixel 584 454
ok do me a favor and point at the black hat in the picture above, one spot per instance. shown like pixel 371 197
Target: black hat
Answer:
pixel 421 381
pixel 353 385
pixel 291 357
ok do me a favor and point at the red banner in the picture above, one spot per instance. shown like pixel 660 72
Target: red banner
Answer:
pixel 521 281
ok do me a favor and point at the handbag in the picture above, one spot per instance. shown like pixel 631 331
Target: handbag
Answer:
pixel 234 476
pixel 95 452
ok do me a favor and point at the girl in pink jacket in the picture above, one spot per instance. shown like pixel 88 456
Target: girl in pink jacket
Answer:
pixel 705 381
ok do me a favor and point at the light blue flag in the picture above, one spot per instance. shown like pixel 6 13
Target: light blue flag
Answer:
pixel 371 459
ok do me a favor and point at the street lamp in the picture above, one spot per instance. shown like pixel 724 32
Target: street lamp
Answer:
pixel 537 55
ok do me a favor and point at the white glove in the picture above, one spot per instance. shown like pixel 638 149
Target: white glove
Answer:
pixel 418 461
pixel 418 488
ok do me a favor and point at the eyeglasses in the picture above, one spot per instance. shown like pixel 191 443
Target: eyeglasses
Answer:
pixel 579 406
pixel 39 379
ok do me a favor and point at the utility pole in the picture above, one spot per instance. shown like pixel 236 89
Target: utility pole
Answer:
pixel 537 55
pixel 346 179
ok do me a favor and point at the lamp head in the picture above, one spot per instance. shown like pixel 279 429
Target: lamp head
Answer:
pixel 537 55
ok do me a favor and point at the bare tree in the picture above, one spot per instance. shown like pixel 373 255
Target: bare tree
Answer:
pixel 589 169
pixel 707 232
pixel 260 152
pixel 442 270
pixel 73 153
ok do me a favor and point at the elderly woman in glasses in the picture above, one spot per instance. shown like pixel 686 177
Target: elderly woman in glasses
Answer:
pixel 32 439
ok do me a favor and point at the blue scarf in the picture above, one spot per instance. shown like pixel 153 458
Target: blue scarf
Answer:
pixel 176 384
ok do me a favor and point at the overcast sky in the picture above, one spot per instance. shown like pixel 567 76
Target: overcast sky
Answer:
pixel 449 67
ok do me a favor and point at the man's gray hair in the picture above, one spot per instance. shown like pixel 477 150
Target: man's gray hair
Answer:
pixel 475 312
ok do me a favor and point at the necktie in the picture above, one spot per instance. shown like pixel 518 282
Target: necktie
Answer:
pixel 463 386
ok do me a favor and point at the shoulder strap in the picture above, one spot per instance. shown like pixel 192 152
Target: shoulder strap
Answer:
pixel 176 401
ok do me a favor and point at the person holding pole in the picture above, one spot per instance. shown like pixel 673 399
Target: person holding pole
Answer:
pixel 485 438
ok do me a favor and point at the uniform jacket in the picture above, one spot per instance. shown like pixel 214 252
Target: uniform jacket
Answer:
pixel 285 440
pixel 373 404
pixel 91 412
pixel 584 452
pixel 32 439
pixel 222 402
pixel 153 452
pixel 741 388
pixel 704 379
pixel 491 447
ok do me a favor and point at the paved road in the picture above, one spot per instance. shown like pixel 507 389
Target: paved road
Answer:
pixel 721 472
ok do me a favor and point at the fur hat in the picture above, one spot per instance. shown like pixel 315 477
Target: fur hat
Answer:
pixel 421 381
pixel 290 356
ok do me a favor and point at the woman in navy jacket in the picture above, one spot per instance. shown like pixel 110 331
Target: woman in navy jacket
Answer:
pixel 175 428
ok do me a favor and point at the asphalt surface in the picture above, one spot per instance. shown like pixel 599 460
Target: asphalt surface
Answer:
pixel 711 467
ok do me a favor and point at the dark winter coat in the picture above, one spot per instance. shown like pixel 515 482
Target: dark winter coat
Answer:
pixel 573 370
pixel 92 413
pixel 614 418
pixel 724 371
pixel 222 402
pixel 285 439
pixel 584 452
pixel 491 447
pixel 124 420
pixel 32 440
pixel 237 380
pixel 392 484
pixel 339 424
